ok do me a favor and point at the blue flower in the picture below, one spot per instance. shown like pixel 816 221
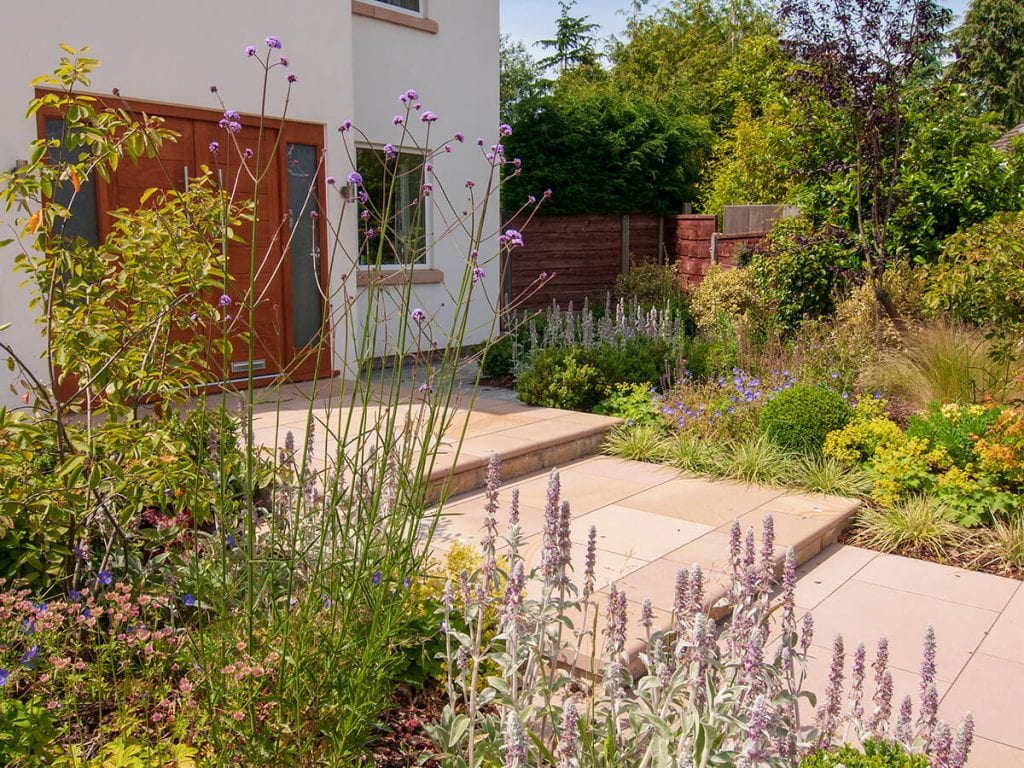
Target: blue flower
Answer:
pixel 4 674
pixel 87 614
pixel 105 578
pixel 28 659
pixel 376 578
pixel 189 601
pixel 230 541
pixel 74 596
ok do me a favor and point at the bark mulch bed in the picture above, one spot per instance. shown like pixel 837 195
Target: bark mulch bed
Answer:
pixel 401 739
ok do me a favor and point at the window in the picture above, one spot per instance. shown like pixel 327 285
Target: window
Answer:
pixel 304 214
pixel 408 5
pixel 83 223
pixel 391 218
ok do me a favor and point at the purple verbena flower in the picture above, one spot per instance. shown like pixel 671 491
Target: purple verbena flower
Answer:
pixel 250 50
pixel 418 315
pixel 224 300
pixel 505 129
pixel 428 117
pixel 355 178
pixel 272 41
pixel 214 147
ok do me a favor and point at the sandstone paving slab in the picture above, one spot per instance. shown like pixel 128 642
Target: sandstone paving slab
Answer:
pixel 616 527
pixel 1006 638
pixel 955 585
pixel 990 688
pixel 824 573
pixel 991 754
pixel 711 502
pixel 870 611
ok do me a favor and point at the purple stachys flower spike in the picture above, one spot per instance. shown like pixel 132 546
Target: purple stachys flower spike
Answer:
pixel 615 630
pixel 564 537
pixel 515 742
pixel 789 592
pixel 929 695
pixel 647 615
pixel 902 734
pixel 940 747
pixel 831 706
pixel 491 507
pixel 696 589
pixel 806 633
pixel 735 541
pixel 551 555
pixel 462 658
pixel 590 563
pixel 512 602
pixel 963 741
pixel 755 752
pixel 768 551
pixel 879 721
pixel 569 739
pixel 464 586
pixel 448 595
pixel 857 684
pixel 753 660
pixel 682 601
pixel 513 509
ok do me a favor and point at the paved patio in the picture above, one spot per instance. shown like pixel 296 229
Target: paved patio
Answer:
pixel 651 521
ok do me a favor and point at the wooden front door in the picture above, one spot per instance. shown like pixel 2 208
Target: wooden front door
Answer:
pixel 289 330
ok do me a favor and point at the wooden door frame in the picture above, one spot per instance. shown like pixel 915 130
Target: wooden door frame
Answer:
pixel 290 131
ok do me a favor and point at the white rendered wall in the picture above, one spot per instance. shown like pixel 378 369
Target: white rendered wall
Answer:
pixel 455 73
pixel 171 52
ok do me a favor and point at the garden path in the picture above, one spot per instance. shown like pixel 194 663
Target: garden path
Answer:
pixel 652 521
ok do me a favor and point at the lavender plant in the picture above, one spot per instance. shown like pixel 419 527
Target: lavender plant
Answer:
pixel 698 692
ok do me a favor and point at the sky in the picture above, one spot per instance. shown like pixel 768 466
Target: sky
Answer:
pixel 532 20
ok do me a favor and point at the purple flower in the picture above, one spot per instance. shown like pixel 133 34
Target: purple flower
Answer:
pixel 355 178
pixel 224 300
pixel 232 115
pixel 74 596
pixel 376 578
pixel 470 183
pixel 189 601
pixel 427 189
pixel 284 61
pixel 409 95
pixel 292 78
pixel 370 231
pixel 248 154
pixel 428 117
pixel 511 238
pixel 326 602
pixel 397 120
pixel 331 181
pixel 250 50
pixel 345 126
pixel 214 146
pixel 389 150
pixel 478 274
pixel 547 193
pixel 28 659
pixel 459 136
pixel 418 315
pixel 505 129
pixel 213 89
pixel 272 42
pixel 105 578
pixel 4 674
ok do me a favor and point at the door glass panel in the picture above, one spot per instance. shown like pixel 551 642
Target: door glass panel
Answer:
pixel 84 222
pixel 303 213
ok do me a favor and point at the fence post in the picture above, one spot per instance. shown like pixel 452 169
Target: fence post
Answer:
pixel 625 244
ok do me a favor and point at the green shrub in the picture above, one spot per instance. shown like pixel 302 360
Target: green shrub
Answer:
pixel 953 427
pixel 632 403
pixel 726 293
pixel 561 378
pixel 799 271
pixel 639 360
pixel 497 358
pixel 876 754
pixel 799 418
pixel 648 284
pixel 980 275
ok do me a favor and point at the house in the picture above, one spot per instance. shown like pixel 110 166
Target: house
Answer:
pixel 351 60
pixel 1003 142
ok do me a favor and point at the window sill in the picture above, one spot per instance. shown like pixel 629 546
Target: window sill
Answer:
pixel 373 11
pixel 397 276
